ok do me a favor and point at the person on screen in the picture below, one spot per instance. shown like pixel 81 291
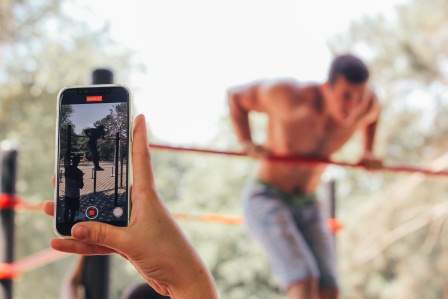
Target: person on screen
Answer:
pixel 73 183
pixel 92 145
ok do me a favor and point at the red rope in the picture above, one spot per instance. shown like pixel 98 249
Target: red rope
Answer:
pixel 42 258
pixel 38 259
pixel 23 205
pixel 305 160
pixel 12 201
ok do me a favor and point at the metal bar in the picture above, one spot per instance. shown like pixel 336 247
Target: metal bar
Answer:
pixel 121 166
pixel 95 276
pixel 332 190
pixel 94 181
pixel 117 147
pixel 306 160
pixel 8 176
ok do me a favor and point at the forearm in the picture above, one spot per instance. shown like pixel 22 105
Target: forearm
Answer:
pixel 240 119
pixel 198 282
pixel 186 275
pixel 369 138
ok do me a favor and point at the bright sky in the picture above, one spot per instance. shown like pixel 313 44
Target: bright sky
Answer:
pixel 194 50
pixel 84 116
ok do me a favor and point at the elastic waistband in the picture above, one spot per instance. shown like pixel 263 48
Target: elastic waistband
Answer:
pixel 295 199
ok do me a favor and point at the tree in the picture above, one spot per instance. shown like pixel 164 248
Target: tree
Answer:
pixel 43 49
pixel 393 224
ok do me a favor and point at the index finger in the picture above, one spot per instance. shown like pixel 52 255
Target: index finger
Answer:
pixel 49 208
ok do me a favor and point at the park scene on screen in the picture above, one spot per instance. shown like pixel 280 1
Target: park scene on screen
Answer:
pixel 93 162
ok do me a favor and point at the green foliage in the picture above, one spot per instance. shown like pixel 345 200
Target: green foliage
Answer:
pixel 393 243
pixel 43 49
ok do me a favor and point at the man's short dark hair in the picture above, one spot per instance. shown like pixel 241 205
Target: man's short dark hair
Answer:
pixel 350 67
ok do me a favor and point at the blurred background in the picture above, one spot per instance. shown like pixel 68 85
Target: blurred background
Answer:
pixel 179 58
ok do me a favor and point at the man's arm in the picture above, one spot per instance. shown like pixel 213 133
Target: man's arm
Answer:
pixel 372 115
pixel 241 101
pixel 369 137
pixel 369 132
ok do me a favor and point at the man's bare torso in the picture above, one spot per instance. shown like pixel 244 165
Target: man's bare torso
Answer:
pixel 299 125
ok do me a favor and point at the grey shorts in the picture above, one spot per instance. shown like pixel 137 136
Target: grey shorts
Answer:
pixel 291 231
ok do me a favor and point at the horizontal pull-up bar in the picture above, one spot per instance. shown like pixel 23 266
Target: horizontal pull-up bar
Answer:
pixel 305 160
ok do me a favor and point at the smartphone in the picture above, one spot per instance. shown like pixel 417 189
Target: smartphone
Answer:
pixel 93 156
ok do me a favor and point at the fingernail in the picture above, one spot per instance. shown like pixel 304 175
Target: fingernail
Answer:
pixel 80 232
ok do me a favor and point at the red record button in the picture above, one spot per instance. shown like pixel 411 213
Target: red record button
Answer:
pixel 92 212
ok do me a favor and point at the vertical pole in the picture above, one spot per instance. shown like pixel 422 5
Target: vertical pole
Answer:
pixel 8 172
pixel 121 166
pixel 96 275
pixel 94 181
pixel 332 204
pixel 68 153
pixel 117 147
pixel 332 187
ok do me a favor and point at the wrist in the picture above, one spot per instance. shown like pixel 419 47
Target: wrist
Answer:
pixel 368 155
pixel 247 144
pixel 194 282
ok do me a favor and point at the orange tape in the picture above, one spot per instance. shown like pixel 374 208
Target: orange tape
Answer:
pixel 334 225
pixel 8 271
pixel 233 220
pixel 7 201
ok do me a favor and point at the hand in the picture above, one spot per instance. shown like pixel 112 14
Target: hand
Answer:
pixel 153 242
pixel 253 150
pixel 370 162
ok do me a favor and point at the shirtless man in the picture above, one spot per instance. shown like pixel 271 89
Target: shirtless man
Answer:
pixel 281 210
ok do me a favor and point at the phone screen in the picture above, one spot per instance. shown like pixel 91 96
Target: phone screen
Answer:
pixel 93 156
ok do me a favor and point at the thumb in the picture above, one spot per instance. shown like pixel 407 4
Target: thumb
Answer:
pixel 97 233
pixel 141 157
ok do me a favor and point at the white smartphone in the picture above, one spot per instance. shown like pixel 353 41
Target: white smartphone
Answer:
pixel 93 156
